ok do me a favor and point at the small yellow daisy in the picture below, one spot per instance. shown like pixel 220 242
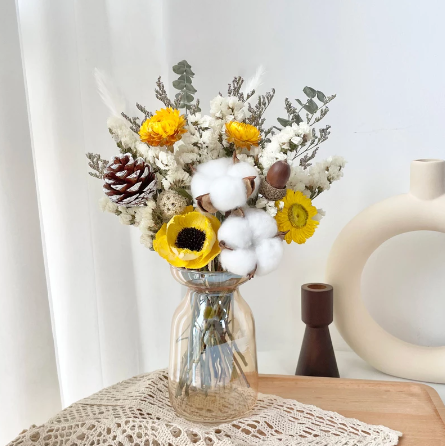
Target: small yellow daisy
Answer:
pixel 242 135
pixel 164 128
pixel 295 214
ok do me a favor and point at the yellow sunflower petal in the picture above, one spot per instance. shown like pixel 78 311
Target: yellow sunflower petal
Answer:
pixel 190 220
pixel 161 246
pixel 167 239
pixel 187 210
pixel 215 250
pixel 203 261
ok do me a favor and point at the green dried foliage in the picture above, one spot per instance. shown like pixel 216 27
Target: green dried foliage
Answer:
pixel 135 124
pixel 194 108
pixel 141 108
pixel 97 164
pixel 234 89
pixel 314 112
pixel 184 98
pixel 161 94
pixel 256 112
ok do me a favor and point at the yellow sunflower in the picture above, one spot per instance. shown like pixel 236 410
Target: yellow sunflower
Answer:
pixel 296 216
pixel 242 135
pixel 164 128
pixel 188 240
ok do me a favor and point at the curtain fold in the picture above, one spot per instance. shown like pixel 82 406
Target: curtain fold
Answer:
pixel 110 320
pixel 29 387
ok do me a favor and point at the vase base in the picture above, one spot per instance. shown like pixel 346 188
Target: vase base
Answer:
pixel 217 406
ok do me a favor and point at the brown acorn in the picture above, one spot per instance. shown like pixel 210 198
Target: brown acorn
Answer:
pixel 273 187
pixel 278 174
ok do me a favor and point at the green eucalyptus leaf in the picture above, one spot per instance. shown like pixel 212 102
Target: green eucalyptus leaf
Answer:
pixel 186 103
pixel 184 64
pixel 298 118
pixel 179 85
pixel 321 97
pixel 298 100
pixel 284 122
pixel 187 97
pixel 311 107
pixel 190 88
pixel 178 69
pixel 185 78
pixel 178 95
pixel 309 92
pixel 189 72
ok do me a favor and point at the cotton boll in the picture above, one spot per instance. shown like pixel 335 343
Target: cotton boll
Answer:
pixel 200 184
pixel 215 168
pixel 227 193
pixel 238 261
pixel 261 223
pixel 243 170
pixel 269 253
pixel 236 233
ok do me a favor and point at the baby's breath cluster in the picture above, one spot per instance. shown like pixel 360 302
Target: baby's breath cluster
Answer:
pixel 198 178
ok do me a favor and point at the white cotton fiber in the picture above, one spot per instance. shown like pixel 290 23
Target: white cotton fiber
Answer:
pixel 236 233
pixel 269 253
pixel 200 184
pixel 243 170
pixel 227 193
pixel 261 223
pixel 215 168
pixel 239 261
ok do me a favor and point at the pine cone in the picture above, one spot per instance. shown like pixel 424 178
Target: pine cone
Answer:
pixel 129 182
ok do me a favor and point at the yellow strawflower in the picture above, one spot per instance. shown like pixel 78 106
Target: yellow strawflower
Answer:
pixel 188 240
pixel 296 216
pixel 242 135
pixel 164 128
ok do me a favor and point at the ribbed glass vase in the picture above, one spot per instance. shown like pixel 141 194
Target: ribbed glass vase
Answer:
pixel 213 372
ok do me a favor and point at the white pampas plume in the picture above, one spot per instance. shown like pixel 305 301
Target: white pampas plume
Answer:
pixel 110 94
pixel 254 82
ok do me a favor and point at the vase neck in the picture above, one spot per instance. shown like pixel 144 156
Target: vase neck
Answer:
pixel 427 178
pixel 207 281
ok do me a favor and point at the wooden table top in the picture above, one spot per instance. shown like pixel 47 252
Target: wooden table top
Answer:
pixel 412 408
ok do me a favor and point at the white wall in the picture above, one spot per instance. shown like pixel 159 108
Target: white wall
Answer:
pixel 112 299
pixel 385 62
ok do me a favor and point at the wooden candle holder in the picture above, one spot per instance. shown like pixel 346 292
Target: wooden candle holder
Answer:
pixel 317 356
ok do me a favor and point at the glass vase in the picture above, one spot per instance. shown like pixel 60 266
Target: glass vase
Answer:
pixel 213 372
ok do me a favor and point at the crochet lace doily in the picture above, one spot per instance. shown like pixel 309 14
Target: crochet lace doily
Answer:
pixel 137 412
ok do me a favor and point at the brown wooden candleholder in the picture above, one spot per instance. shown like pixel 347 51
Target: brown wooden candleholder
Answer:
pixel 317 356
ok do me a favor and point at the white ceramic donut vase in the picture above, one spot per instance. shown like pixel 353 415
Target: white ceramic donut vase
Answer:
pixel 423 208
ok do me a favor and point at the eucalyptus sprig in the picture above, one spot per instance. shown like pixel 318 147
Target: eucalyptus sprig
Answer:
pixel 313 110
pixel 185 98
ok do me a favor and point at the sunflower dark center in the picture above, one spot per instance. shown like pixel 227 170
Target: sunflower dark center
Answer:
pixel 190 238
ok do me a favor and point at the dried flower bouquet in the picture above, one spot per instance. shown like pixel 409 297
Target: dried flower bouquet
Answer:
pixel 218 191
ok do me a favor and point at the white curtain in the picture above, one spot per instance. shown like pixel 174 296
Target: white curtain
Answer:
pixel 83 304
